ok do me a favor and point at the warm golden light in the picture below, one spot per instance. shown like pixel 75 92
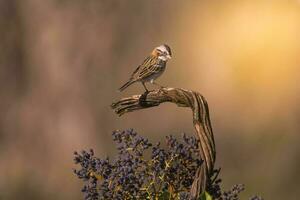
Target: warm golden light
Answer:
pixel 249 48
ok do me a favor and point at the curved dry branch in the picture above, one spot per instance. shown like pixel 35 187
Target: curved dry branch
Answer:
pixel 201 121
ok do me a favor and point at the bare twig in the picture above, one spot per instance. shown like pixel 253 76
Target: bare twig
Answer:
pixel 201 121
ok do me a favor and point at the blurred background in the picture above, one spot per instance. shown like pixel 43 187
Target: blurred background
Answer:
pixel 62 61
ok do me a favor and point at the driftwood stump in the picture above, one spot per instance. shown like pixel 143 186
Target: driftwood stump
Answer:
pixel 201 121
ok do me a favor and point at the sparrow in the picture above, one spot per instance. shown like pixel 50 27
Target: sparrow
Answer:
pixel 152 67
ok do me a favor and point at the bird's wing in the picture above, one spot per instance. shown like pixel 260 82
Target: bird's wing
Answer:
pixel 150 66
pixel 135 74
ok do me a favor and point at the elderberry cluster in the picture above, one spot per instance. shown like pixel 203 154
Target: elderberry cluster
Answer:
pixel 168 173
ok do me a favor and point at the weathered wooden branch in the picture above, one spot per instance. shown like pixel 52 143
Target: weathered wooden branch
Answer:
pixel 201 121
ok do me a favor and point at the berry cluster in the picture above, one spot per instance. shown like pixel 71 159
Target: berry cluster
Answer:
pixel 168 173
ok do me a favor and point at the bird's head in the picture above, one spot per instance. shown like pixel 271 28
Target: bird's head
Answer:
pixel 163 52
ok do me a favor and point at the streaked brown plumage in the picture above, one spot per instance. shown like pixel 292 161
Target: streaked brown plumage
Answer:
pixel 152 67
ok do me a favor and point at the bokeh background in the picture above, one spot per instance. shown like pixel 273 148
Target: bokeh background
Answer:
pixel 61 62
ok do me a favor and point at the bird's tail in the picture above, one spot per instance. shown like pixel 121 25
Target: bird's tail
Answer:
pixel 128 83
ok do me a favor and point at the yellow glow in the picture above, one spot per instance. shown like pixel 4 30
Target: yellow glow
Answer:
pixel 258 43
pixel 250 48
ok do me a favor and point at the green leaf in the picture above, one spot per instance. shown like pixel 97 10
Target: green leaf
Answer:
pixel 205 196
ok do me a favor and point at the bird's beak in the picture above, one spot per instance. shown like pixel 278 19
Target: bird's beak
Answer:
pixel 169 57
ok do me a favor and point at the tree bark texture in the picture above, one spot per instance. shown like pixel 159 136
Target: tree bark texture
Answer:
pixel 201 121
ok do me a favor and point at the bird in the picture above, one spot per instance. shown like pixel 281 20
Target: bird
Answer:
pixel 151 68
